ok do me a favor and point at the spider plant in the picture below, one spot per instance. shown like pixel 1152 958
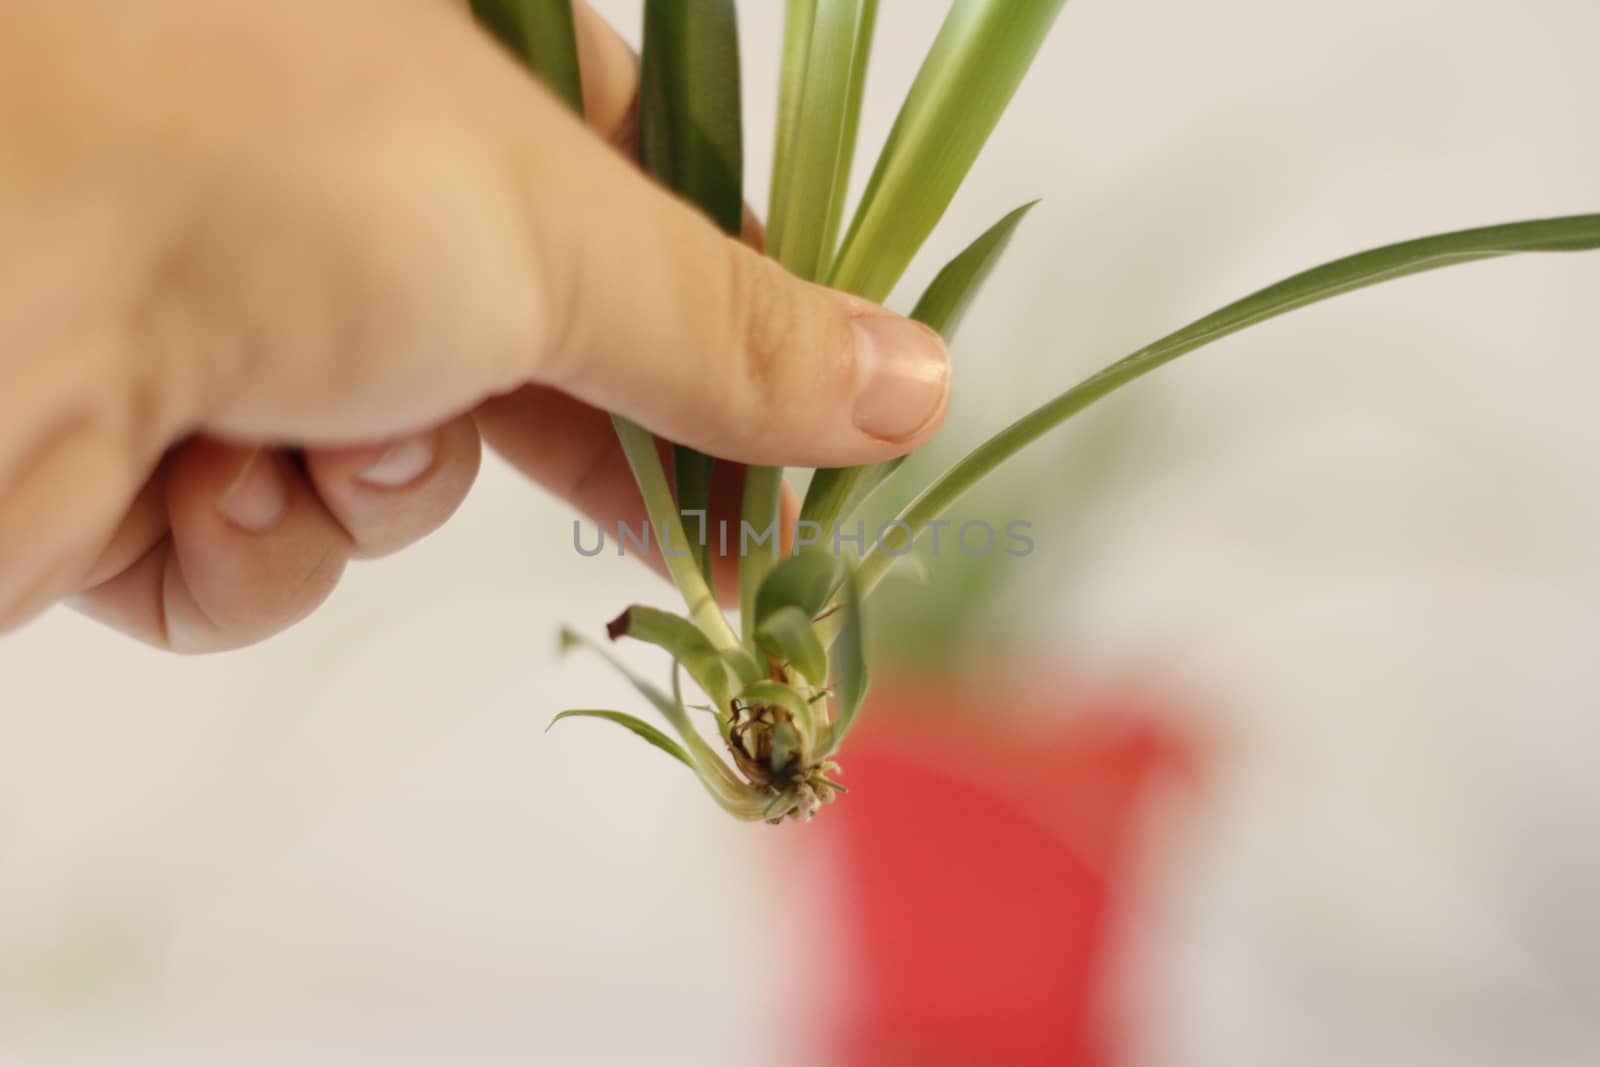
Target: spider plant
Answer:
pixel 784 688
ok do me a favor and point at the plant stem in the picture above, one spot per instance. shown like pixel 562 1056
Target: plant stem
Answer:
pixel 639 445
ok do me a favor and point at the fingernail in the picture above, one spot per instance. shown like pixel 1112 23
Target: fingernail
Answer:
pixel 257 497
pixel 902 375
pixel 403 462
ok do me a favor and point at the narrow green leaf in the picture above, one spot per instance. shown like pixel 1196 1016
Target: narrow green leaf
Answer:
pixel 759 517
pixel 785 746
pixel 691 474
pixel 849 664
pixel 670 709
pixel 788 635
pixel 805 581
pixel 799 18
pixel 825 57
pixel 778 807
pixel 639 445
pixel 854 92
pixel 691 139
pixel 819 99
pixel 637 725
pixel 836 492
pixel 541 33
pixel 944 303
pixel 742 666
pixel 1578 233
pixel 727 788
pixel 691 136
pixel 683 640
pixel 981 54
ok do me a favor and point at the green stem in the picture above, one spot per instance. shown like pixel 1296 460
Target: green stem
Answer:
pixel 763 488
pixel 639 445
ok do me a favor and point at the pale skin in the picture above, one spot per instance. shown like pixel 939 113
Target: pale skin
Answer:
pixel 271 272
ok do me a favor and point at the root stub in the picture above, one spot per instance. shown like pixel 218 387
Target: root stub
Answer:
pixel 769 751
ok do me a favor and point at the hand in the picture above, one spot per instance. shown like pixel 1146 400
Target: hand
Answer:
pixel 357 230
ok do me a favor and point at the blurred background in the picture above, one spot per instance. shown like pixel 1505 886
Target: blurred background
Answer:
pixel 1275 751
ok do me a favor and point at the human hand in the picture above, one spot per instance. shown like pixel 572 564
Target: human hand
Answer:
pixel 266 271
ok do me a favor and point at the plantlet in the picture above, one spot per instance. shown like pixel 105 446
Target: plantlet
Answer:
pixel 784 688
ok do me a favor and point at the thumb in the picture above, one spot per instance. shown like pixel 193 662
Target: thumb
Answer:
pixel 654 314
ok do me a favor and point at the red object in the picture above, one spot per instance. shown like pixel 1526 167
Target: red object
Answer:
pixel 984 864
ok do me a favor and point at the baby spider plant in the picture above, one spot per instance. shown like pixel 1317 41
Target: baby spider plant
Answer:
pixel 784 688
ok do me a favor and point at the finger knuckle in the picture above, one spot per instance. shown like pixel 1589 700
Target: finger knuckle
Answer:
pixel 767 324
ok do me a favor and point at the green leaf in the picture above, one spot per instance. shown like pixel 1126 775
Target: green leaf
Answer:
pixel 788 635
pixel 981 54
pixel 670 709
pixel 944 303
pixel 849 665
pixel 826 44
pixel 691 474
pixel 637 725
pixel 691 135
pixel 1578 233
pixel 541 34
pixel 742 666
pixel 856 89
pixel 805 581
pixel 779 806
pixel 683 640
pixel 730 791
pixel 691 139
pixel 836 492
pixel 639 446
pixel 785 746
pixel 759 514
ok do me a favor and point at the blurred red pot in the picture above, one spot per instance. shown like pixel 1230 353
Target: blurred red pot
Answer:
pixel 983 857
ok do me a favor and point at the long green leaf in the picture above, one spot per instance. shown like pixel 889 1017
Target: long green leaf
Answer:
pixel 803 581
pixel 759 514
pixel 541 33
pixel 691 139
pixel 669 708
pixel 637 725
pixel 855 90
pixel 800 16
pixel 825 56
pixel 691 477
pixel 788 635
pixel 1576 233
pixel 684 641
pixel 944 303
pixel 691 135
pixel 819 99
pixel 836 492
pixel 849 664
pixel 982 52
pixel 639 446
pixel 720 781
